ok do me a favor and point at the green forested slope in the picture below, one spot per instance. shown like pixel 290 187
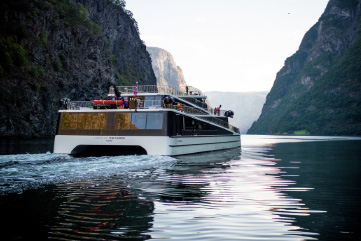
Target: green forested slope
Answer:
pixel 63 48
pixel 318 90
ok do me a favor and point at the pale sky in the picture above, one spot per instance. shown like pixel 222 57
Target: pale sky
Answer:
pixel 227 45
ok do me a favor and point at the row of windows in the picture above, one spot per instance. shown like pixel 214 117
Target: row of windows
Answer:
pixel 96 121
pixel 152 101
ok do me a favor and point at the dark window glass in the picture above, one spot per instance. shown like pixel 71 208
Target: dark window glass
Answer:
pixel 155 121
pixel 148 101
pixel 69 120
pixel 157 100
pixel 122 121
pixel 138 120
pixel 84 121
pixel 152 101
pixel 98 121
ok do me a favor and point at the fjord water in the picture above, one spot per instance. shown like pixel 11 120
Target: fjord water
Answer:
pixel 273 188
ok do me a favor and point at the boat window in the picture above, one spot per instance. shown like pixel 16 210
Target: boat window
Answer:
pixel 155 121
pixel 69 120
pixel 148 101
pixel 98 121
pixel 157 100
pixel 84 121
pixel 152 101
pixel 122 121
pixel 189 123
pixel 138 120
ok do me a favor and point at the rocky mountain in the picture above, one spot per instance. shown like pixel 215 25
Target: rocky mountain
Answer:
pixel 318 91
pixel 167 72
pixel 63 48
pixel 247 106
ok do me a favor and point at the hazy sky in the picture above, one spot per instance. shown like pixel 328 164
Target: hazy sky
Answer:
pixel 227 45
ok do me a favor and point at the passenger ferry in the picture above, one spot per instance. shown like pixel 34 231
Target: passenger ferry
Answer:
pixel 144 120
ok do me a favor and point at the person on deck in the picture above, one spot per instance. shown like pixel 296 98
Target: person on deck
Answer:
pixel 219 110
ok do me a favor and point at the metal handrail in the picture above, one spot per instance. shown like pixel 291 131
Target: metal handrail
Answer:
pixel 78 105
pixel 167 90
pixel 158 89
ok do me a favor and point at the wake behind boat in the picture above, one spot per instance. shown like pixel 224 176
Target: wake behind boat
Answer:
pixel 144 120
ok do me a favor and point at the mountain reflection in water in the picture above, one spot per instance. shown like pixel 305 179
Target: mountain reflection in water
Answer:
pixel 273 188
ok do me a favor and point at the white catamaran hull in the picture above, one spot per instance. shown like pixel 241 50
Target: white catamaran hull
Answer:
pixel 153 145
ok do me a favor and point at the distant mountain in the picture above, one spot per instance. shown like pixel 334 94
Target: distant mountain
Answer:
pixel 247 106
pixel 318 91
pixel 167 72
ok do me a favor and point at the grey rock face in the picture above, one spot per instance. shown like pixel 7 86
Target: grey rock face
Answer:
pixel 167 72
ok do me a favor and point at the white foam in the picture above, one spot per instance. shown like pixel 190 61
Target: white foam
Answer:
pixel 20 172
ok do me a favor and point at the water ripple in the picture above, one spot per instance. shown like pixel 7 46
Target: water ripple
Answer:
pixel 246 194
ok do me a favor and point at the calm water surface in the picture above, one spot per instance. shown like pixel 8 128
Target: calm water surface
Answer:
pixel 273 188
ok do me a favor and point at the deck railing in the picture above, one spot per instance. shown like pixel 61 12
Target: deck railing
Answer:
pixel 162 90
pixel 188 96
pixel 79 105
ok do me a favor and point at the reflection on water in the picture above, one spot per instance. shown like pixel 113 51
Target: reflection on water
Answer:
pixel 274 188
pixel 226 199
pixel 101 211
pixel 331 171
pixel 9 146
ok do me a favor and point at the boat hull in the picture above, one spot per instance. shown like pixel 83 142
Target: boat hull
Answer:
pixel 150 145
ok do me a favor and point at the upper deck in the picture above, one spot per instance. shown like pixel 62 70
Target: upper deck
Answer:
pixel 192 95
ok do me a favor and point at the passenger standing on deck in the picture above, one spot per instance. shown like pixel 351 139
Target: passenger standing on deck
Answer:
pixel 218 110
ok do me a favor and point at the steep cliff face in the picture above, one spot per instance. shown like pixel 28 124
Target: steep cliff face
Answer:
pixel 63 48
pixel 167 72
pixel 319 88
